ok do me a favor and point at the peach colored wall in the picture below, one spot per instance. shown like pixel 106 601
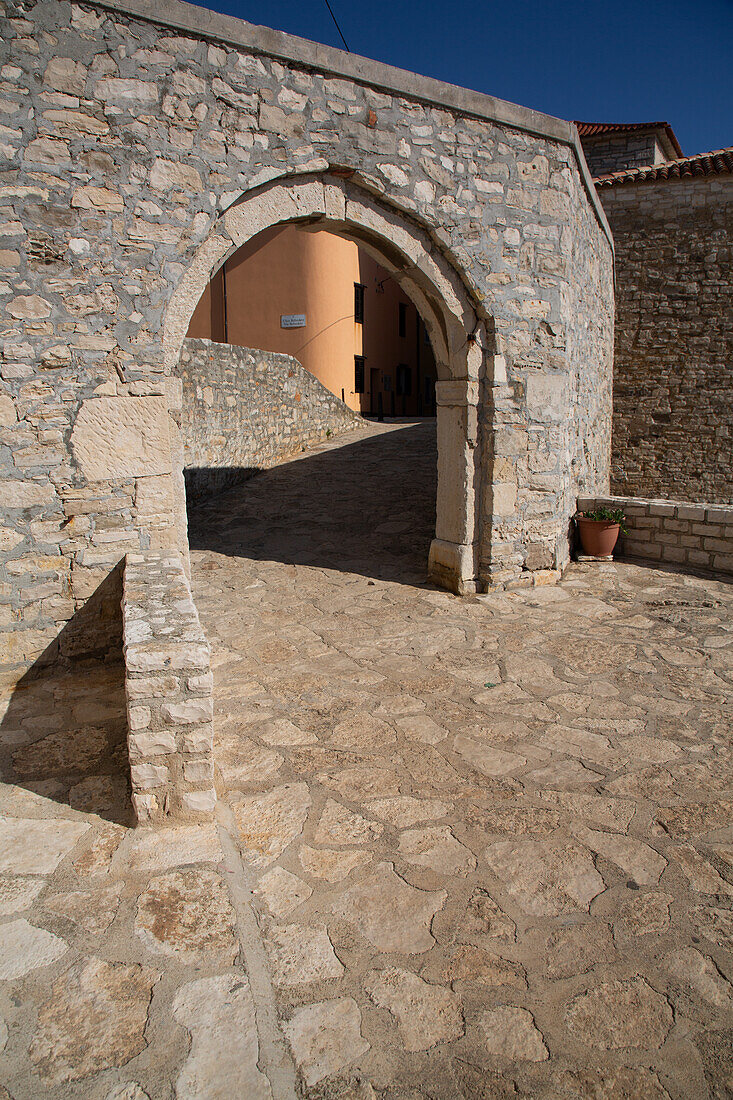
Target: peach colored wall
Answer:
pixel 288 271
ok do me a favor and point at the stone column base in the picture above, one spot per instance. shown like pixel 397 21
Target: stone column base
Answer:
pixel 452 565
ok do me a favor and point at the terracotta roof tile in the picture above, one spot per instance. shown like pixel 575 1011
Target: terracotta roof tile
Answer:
pixel 716 163
pixel 593 129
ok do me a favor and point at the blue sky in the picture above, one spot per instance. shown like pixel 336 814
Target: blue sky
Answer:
pixel 624 61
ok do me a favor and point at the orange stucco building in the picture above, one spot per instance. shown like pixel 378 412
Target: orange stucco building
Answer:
pixel 321 299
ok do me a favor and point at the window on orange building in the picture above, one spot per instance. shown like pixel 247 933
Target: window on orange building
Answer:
pixel 404 380
pixel 402 319
pixel 359 303
pixel 358 374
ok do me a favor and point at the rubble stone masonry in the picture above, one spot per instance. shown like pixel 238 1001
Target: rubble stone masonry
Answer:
pixel 244 410
pixel 137 139
pixel 673 413
pixel 170 692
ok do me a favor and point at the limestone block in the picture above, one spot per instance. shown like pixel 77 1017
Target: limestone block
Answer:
pixel 154 496
pixel 28 494
pixel 125 92
pixel 119 437
pixel 29 307
pixel 97 198
pixel 546 397
pixel 65 75
pixel 169 174
pixel 148 775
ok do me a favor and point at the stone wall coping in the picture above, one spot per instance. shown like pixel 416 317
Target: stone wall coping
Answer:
pixel 203 23
pixel 709 513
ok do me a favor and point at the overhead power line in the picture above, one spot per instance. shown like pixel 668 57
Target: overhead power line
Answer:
pixel 346 45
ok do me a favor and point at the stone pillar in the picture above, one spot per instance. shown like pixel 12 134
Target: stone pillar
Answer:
pixel 452 561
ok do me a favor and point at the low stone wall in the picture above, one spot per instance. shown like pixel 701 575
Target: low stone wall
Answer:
pixel 169 690
pixel 245 410
pixel 694 536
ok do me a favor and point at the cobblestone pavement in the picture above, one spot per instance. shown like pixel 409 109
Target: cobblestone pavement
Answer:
pixel 475 848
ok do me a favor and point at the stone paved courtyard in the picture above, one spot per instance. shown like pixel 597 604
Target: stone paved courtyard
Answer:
pixel 475 848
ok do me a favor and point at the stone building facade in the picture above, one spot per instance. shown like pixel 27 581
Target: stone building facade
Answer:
pixel 610 147
pixel 144 143
pixel 673 363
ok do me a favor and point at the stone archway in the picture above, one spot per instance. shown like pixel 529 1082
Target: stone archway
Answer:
pixel 457 327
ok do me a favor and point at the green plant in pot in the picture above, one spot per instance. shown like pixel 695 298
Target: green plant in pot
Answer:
pixel 599 530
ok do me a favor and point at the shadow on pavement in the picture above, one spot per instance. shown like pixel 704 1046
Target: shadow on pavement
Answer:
pixel 366 507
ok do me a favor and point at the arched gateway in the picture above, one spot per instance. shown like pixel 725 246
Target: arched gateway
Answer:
pixel 454 321
pixel 147 142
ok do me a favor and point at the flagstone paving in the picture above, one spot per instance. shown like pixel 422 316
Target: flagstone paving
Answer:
pixel 474 848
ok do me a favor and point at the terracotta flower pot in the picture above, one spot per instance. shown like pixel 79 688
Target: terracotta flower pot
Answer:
pixel 598 536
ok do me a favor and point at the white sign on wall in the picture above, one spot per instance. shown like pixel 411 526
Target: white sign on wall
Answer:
pixel 292 320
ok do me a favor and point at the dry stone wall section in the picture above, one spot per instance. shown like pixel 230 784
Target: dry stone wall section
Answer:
pixel 673 413
pixel 698 537
pixel 244 410
pixel 126 140
pixel 170 692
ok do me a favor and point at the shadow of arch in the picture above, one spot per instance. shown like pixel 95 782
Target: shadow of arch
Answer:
pixel 459 329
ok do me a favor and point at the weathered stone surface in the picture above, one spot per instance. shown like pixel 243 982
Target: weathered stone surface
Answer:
pixel 468 967
pixel 299 954
pixel 647 914
pixel 36 847
pixel 545 877
pixel 183 845
pixel 420 727
pixel 389 913
pixel 403 811
pixel 282 891
pixel 219 1013
pixel 325 1038
pixel 131 1091
pixel 330 864
pixel 116 437
pixel 699 973
pixel 577 949
pixel 18 894
pixel 487 759
pixel 24 948
pixel 95 1018
pixel 512 1034
pixel 268 823
pixel 620 1014
pixel 485 918
pixel 703 877
pixel 437 848
pixel 97 857
pixel 92 910
pixel 187 915
pixel 426 1014
pixel 339 825
pixel 621 1083
pixel 635 858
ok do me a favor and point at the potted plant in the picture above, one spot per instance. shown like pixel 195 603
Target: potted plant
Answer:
pixel 599 530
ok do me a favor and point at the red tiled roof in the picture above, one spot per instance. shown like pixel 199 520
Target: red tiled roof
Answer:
pixel 592 129
pixel 717 163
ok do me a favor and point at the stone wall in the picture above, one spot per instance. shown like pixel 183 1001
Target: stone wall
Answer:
pixel 244 410
pixel 169 689
pixel 612 152
pixel 698 537
pixel 673 380
pixel 135 150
